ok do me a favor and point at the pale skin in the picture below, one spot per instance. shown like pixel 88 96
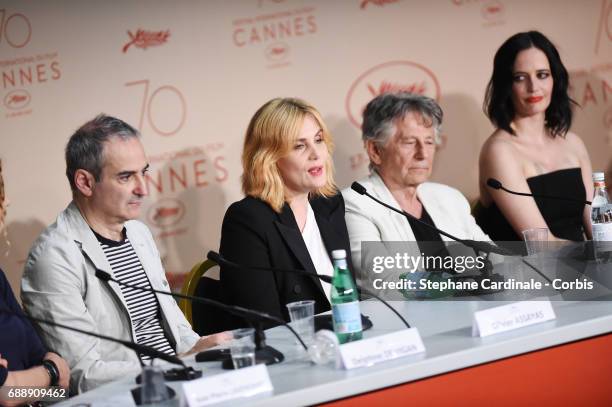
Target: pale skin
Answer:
pixel 406 160
pixel 117 197
pixel 36 376
pixel 303 169
pixel 512 159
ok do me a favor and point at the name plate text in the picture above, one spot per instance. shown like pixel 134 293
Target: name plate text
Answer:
pixel 368 352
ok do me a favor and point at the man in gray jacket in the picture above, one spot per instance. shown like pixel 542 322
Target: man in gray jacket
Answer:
pixel 106 167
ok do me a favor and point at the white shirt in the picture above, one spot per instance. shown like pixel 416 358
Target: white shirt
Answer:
pixel 316 249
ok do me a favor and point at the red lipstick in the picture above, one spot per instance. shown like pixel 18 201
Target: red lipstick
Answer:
pixel 534 99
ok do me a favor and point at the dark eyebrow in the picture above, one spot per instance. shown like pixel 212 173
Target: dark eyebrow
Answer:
pixel 126 173
pixel 537 70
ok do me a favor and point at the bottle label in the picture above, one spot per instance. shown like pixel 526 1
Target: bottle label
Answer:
pixel 599 201
pixel 347 317
pixel 340 263
pixel 602 232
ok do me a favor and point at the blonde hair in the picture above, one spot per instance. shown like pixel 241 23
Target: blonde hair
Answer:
pixel 270 136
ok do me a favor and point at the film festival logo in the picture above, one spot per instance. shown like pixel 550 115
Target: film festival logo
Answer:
pixel 394 76
pixel 25 71
pixel 492 11
pixel 277 52
pixel 166 213
pixel 274 30
pixel 17 99
pixel 380 3
pixel 144 39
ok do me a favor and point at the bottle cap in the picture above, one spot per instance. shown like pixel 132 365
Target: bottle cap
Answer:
pixel 598 177
pixel 338 254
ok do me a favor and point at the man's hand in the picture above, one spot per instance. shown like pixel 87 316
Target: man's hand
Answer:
pixel 209 341
pixel 3 362
pixel 62 366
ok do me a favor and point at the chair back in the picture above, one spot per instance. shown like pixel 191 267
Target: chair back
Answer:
pixel 191 284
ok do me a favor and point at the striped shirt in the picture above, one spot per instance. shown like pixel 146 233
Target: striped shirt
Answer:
pixel 143 307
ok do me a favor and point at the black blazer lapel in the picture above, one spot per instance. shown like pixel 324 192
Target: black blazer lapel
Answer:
pixel 329 213
pixel 290 232
pixel 327 220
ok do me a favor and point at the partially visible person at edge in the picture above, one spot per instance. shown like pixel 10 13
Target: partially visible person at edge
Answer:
pixel 532 149
pixel 105 167
pixel 24 360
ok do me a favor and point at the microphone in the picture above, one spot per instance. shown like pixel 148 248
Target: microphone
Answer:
pixel 183 373
pixel 264 353
pixel 217 258
pixel 477 246
pixel 136 347
pixel 484 247
pixel 495 184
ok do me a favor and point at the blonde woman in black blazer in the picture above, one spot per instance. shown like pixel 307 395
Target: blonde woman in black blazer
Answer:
pixel 287 178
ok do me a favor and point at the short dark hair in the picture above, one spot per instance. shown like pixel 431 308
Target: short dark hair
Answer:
pixel 498 104
pixel 85 149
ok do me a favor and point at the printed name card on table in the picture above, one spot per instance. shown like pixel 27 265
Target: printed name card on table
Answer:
pixel 512 316
pixel 368 352
pixel 237 384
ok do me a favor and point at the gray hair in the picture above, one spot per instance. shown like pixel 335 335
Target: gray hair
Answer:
pixel 85 149
pixel 382 111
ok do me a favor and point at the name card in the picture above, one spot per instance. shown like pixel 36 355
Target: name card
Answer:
pixel 368 352
pixel 511 316
pixel 237 384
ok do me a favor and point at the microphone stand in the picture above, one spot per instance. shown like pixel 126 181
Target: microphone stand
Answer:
pixel 183 373
pixel 138 348
pixel 217 258
pixel 480 248
pixel 263 353
pixel 495 184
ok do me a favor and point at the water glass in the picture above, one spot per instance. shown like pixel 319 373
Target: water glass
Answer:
pixel 242 347
pixel 536 240
pixel 302 319
pixel 602 247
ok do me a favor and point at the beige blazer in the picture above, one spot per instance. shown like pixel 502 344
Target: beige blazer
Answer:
pixel 367 220
pixel 59 284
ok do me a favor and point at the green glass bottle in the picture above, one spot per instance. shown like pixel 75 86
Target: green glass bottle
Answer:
pixel 345 301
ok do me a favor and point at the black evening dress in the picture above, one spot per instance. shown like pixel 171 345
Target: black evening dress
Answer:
pixel 564 218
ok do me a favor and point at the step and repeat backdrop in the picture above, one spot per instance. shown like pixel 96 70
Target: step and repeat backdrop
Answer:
pixel 190 74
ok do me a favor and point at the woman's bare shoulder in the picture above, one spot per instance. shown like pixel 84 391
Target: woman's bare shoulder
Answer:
pixel 500 143
pixel 576 145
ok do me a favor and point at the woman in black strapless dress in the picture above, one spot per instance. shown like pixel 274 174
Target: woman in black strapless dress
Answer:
pixel 532 149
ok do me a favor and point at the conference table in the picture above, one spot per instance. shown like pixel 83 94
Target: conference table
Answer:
pixel 565 361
